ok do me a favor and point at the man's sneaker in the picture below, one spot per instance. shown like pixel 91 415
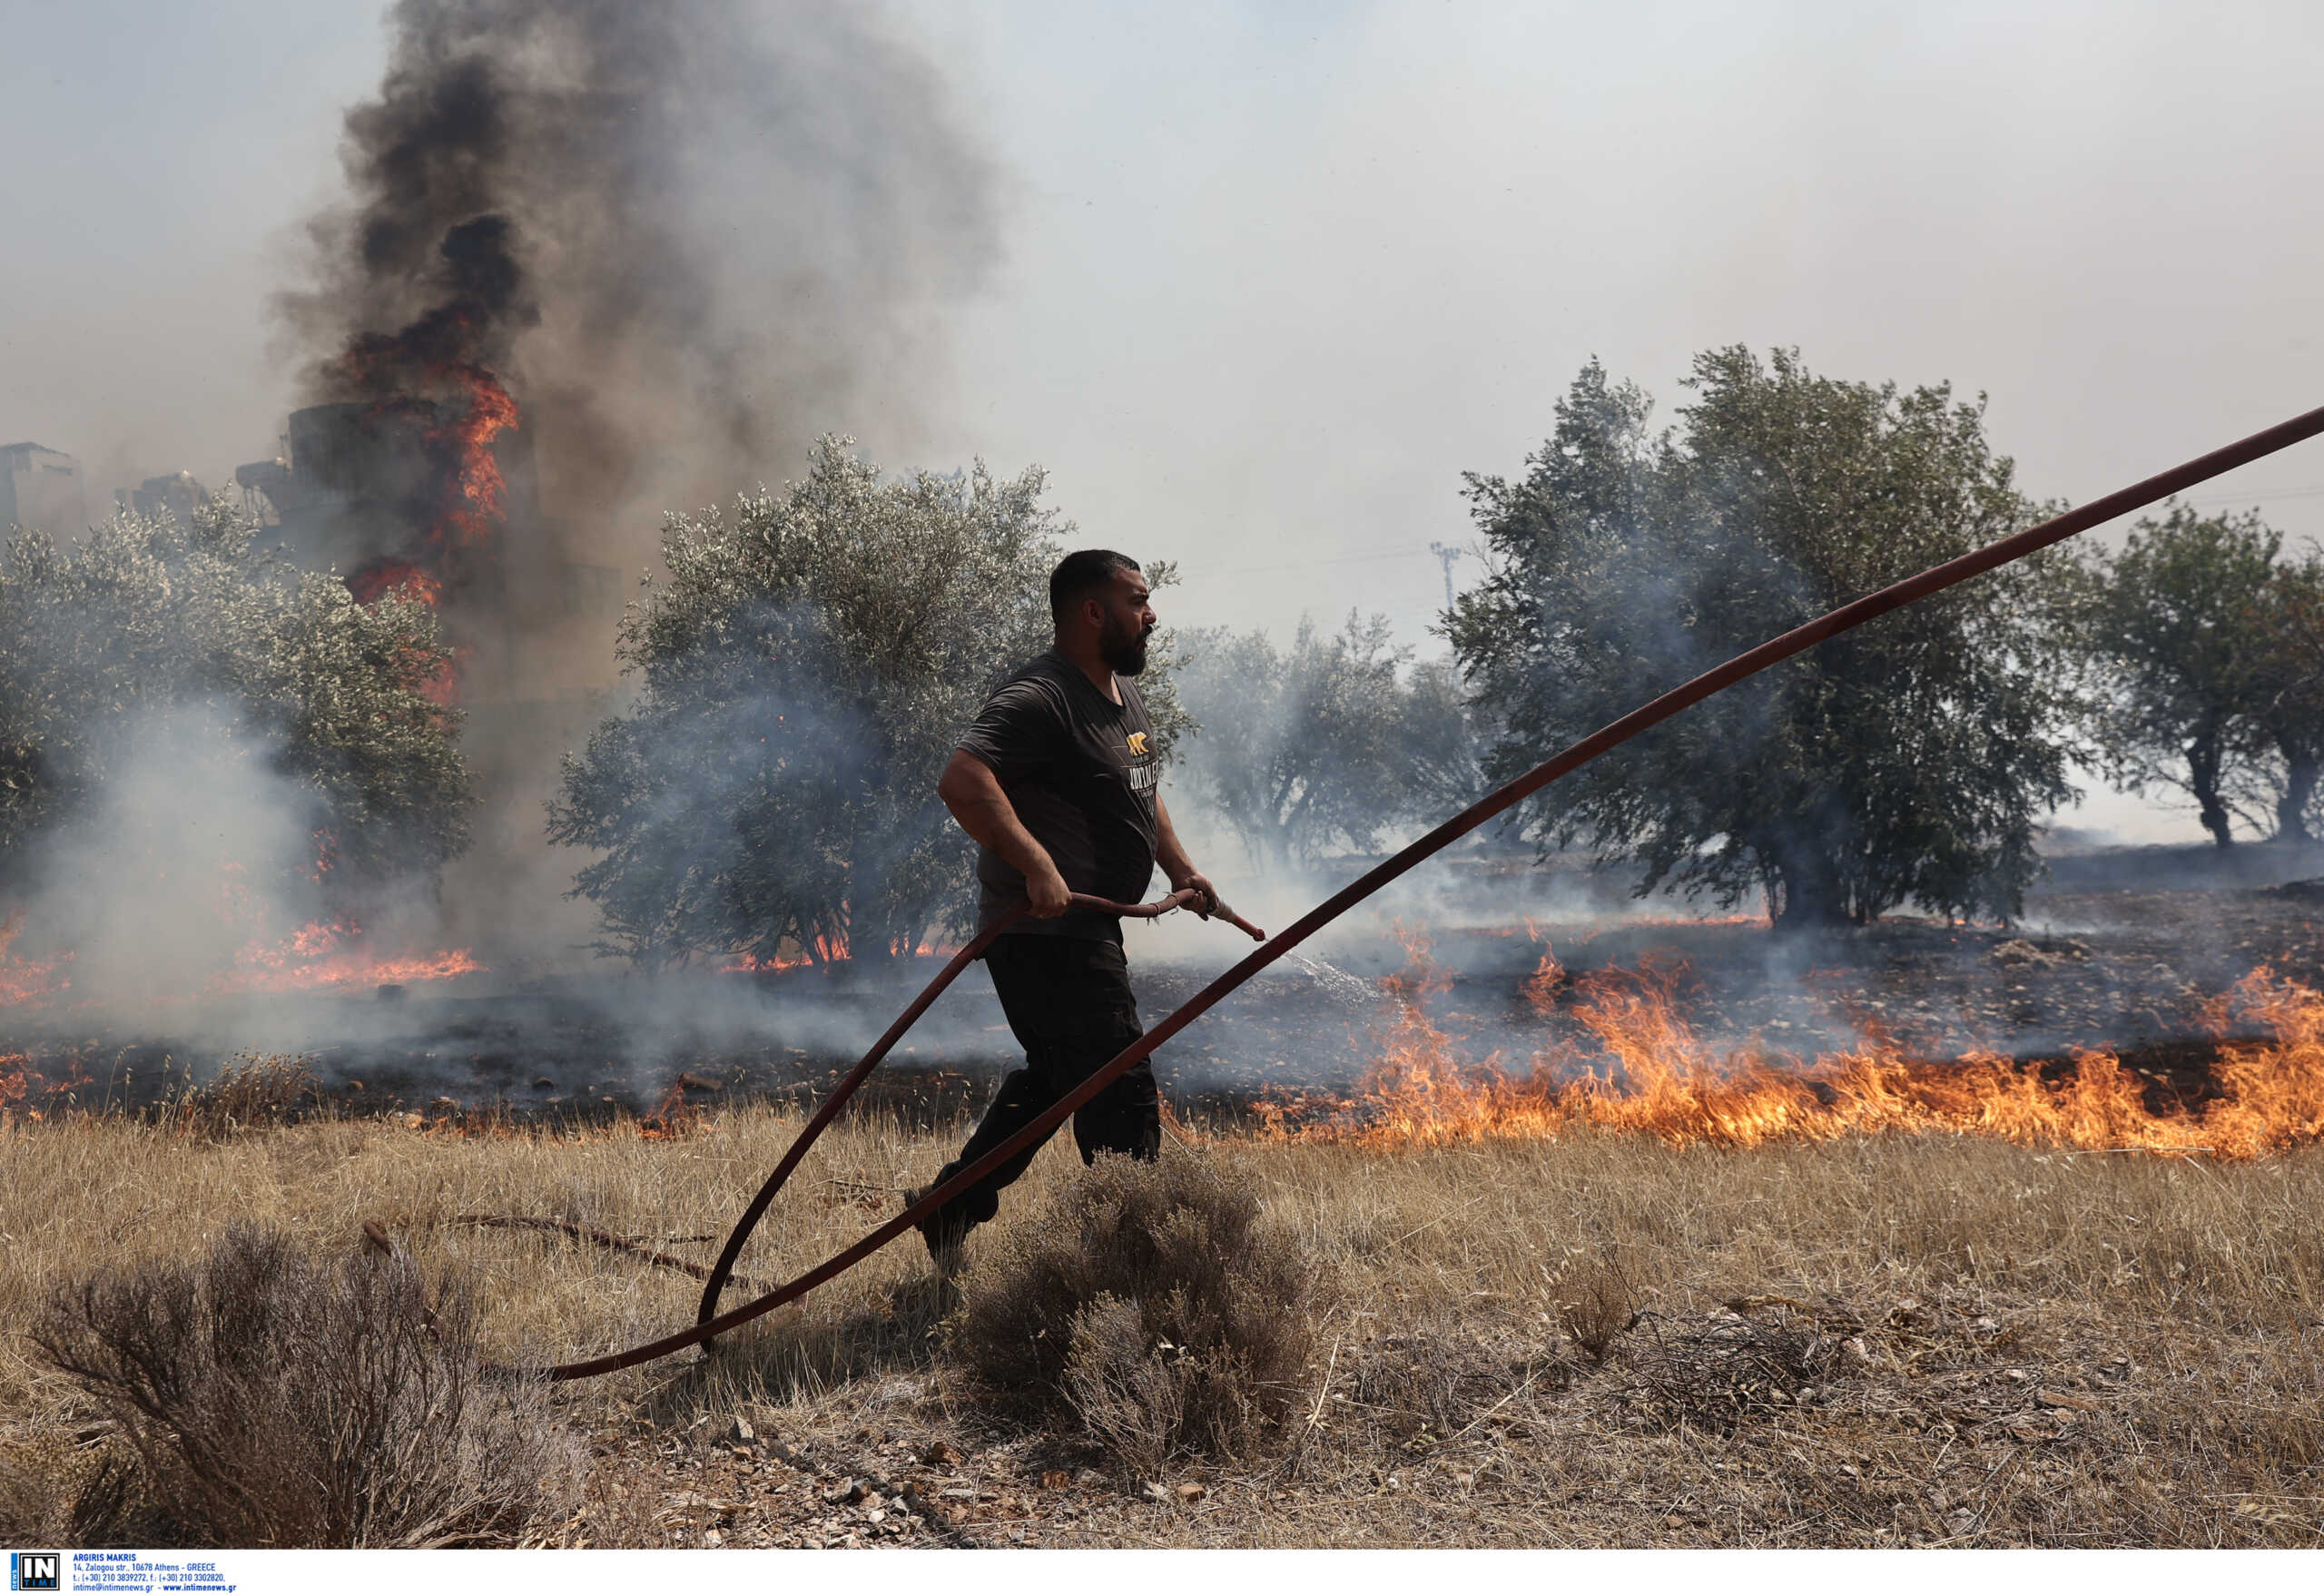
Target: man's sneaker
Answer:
pixel 943 1231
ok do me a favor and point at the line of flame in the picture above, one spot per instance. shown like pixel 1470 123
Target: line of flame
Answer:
pixel 1653 1075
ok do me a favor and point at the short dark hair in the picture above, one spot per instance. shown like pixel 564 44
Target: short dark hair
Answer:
pixel 1082 573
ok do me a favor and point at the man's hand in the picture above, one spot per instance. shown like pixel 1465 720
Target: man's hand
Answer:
pixel 1206 901
pixel 1171 855
pixel 1047 892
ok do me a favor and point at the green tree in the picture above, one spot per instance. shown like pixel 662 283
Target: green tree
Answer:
pixel 2179 624
pixel 1321 744
pixel 1439 744
pixel 2289 706
pixel 802 675
pixel 143 613
pixel 1905 762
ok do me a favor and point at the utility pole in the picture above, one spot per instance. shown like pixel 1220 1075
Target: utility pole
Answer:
pixel 1445 555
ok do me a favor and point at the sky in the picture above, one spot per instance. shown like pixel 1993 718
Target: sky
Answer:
pixel 1273 276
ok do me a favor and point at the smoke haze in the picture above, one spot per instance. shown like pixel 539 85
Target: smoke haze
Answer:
pixel 187 854
pixel 1275 275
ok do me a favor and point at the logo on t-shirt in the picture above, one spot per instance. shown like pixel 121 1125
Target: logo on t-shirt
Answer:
pixel 1137 743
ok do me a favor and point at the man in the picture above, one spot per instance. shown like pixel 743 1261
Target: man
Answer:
pixel 1057 780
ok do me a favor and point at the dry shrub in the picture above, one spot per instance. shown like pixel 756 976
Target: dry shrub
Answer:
pixel 271 1399
pixel 78 1495
pixel 1154 1303
pixel 1599 1299
pixel 252 1092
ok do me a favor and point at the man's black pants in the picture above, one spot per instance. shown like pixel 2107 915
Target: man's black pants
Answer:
pixel 1068 1001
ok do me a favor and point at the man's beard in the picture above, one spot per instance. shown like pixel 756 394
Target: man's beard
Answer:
pixel 1123 650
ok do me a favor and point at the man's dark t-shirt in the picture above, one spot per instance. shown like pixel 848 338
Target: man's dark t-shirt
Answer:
pixel 1081 770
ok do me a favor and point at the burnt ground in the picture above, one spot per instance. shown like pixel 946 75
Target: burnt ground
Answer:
pixel 2134 970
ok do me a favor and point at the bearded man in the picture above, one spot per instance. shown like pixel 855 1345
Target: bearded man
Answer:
pixel 1057 779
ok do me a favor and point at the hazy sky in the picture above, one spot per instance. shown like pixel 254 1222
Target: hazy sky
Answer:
pixel 1275 275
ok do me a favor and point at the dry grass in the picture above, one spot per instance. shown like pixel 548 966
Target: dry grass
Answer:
pixel 1888 1340
pixel 253 1091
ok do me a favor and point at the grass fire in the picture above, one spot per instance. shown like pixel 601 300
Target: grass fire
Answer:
pixel 622 942
pixel 1657 1078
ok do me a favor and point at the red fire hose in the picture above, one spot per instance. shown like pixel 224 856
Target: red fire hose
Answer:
pixel 1846 619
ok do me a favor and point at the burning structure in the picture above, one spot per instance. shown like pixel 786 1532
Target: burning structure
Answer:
pixel 426 488
pixel 440 501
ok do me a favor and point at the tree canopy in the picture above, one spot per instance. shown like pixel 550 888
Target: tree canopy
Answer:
pixel 2289 706
pixel 1907 760
pixel 802 675
pixel 144 614
pixel 2208 667
pixel 1324 743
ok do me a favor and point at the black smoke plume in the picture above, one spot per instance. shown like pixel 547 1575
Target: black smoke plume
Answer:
pixel 691 235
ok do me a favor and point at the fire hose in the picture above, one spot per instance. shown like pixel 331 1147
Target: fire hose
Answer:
pixel 711 1322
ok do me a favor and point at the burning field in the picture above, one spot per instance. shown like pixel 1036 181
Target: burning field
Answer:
pixel 1600 1339
pixel 1639 1244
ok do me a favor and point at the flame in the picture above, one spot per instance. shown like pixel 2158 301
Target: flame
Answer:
pixel 439 684
pixel 442 686
pixel 383 576
pixel 1653 1075
pixel 320 956
pixel 827 949
pixel 467 410
pixel 27 981
pixel 330 954
pixel 672 1118
pixel 475 408
pixel 475 496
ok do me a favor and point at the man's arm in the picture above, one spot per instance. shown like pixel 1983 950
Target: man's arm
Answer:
pixel 972 793
pixel 1171 854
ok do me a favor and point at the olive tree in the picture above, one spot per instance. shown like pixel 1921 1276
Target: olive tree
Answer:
pixel 2177 624
pixel 802 674
pixel 145 616
pixel 2289 706
pixel 1324 743
pixel 1909 761
pixel 2207 650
